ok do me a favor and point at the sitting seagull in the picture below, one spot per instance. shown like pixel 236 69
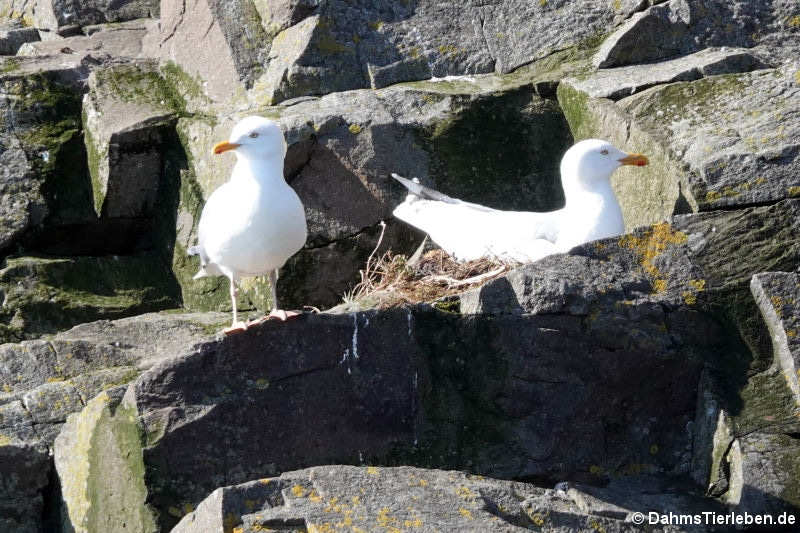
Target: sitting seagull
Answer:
pixel 470 231
pixel 253 223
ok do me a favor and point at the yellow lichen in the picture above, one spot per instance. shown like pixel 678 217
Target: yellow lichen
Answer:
pixel 698 284
pixel 777 304
pixel 537 519
pixel 660 285
pixel 689 297
pixel 794 191
pixel 355 129
pixel 654 449
pixel 298 491
pixel 794 22
pixel 384 519
pixel 371 470
pixel 713 196
pixel 465 493
pixel 651 244
pixel 466 513
pixel 596 470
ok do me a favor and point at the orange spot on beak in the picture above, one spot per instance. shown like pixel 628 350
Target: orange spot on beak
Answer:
pixel 637 160
pixel 225 146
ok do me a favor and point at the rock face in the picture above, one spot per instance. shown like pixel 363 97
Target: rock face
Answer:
pixel 414 499
pixel 310 48
pixel 399 388
pixel 43 382
pixel 61 16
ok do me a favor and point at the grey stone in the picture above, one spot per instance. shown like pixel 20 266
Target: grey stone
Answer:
pixel 124 39
pixel 59 14
pixel 128 112
pixel 778 298
pixel 221 41
pixel 682 262
pixel 44 295
pixel 398 389
pixel 680 27
pixel 373 499
pixel 617 83
pixel 762 467
pixel 24 477
pixel 101 489
pixel 12 37
pixel 296 48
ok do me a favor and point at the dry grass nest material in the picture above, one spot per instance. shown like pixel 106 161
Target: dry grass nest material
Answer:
pixel 395 280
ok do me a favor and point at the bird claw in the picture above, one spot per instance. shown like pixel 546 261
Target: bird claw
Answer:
pixel 236 327
pixel 275 314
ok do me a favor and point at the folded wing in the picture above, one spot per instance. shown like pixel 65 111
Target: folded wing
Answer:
pixel 470 231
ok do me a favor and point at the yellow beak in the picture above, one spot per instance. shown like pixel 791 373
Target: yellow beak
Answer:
pixel 225 146
pixel 634 159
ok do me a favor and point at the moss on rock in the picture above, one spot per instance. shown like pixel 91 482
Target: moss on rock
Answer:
pixel 101 469
pixel 44 295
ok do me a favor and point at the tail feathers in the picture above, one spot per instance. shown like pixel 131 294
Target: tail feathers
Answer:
pixel 416 189
pixel 201 273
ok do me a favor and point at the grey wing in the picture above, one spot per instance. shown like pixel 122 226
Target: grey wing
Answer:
pixel 427 193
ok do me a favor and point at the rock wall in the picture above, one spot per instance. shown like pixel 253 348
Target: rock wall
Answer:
pixel 657 371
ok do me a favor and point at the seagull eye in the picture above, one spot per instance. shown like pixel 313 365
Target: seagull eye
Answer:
pixel 253 135
pixel 604 152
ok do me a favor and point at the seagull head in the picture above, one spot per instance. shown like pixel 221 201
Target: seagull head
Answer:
pixel 591 162
pixel 255 138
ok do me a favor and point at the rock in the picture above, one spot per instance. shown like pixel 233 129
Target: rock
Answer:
pixel 778 296
pixel 56 15
pixel 24 478
pixel 761 473
pixel 101 489
pixel 293 48
pixel 689 262
pixel 373 499
pixel 697 161
pixel 45 295
pixel 13 36
pixel 124 39
pixel 681 27
pixel 38 152
pixel 42 382
pixel 129 114
pixel 617 83
pixel 397 390
pixel 221 41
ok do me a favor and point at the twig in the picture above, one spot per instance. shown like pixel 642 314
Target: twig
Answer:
pixel 468 281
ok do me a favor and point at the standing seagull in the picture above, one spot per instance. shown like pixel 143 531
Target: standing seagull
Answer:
pixel 253 223
pixel 471 231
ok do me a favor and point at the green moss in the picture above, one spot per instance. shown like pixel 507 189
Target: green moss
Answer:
pixel 508 142
pixel 93 159
pixel 187 87
pixel 131 83
pixel 9 65
pixel 575 105
pixel 44 295
pixel 115 488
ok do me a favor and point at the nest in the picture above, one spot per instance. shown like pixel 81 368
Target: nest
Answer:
pixel 394 279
